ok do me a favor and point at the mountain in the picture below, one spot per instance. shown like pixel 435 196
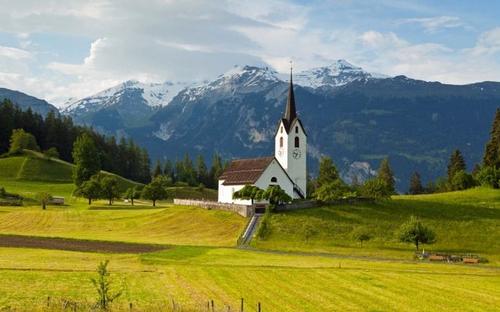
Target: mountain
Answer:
pixel 127 105
pixel 337 74
pixel 354 116
pixel 25 101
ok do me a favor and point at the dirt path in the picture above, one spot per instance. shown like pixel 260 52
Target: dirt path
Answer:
pixel 21 241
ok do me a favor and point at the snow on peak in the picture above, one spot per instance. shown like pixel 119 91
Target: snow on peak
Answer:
pixel 152 94
pixel 337 74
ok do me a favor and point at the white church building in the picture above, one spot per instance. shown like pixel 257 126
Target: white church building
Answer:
pixel 287 168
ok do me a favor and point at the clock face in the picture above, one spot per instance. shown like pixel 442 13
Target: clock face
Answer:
pixel 280 152
pixel 296 153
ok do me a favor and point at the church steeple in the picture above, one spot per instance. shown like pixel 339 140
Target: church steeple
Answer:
pixel 290 112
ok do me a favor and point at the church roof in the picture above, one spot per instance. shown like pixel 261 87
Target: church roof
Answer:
pixel 245 171
pixel 290 111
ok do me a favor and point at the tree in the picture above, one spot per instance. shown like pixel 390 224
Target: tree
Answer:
pixel 51 153
pixel 90 189
pixel 20 140
pixel 103 286
pixel 455 164
pixel 248 192
pixel 156 190
pixel 275 195
pixel 413 231
pixel 131 194
pixel 491 156
pixel 385 174
pixel 461 181
pixel 489 176
pixel 201 170
pixel 362 236
pixel 376 188
pixel 86 159
pixel 327 171
pixel 416 184
pixel 44 198
pixel 334 190
pixel 109 187
pixel 158 170
pixel 216 170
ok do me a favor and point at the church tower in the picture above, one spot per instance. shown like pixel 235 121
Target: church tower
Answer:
pixel 291 145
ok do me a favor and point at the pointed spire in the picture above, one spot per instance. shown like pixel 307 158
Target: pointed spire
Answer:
pixel 290 112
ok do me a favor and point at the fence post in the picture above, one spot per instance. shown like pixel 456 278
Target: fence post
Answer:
pixel 242 305
pixel 258 307
pixel 213 306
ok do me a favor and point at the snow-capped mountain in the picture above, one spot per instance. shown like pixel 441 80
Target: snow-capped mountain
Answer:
pixel 337 74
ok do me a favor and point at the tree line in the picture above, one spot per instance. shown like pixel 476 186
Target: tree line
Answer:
pixel 59 133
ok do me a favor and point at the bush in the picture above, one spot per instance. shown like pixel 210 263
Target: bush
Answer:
pixel 462 181
pixel 103 287
pixel 489 176
pixel 333 190
pixel 20 140
pixel 264 229
pixel 51 153
pixel 376 188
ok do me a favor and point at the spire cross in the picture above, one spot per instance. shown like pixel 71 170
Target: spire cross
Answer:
pixel 291 66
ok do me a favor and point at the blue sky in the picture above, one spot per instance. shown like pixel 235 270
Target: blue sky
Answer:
pixel 57 49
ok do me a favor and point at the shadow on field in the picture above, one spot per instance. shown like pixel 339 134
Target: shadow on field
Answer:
pixel 20 241
pixel 128 207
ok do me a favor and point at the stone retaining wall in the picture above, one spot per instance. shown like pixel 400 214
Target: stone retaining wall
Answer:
pixel 243 210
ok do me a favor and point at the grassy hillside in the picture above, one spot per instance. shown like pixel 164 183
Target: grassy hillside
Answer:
pixel 32 172
pixel 467 221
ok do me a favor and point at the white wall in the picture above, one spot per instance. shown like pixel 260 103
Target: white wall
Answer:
pixel 283 158
pixel 226 194
pixel 274 170
pixel 297 167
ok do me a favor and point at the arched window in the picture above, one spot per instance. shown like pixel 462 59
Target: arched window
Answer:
pixel 296 129
pixel 281 141
pixel 297 142
pixel 281 129
pixel 274 180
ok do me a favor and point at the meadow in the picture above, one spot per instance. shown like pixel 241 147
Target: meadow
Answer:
pixel 328 271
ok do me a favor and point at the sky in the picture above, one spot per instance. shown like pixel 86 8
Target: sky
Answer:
pixel 60 49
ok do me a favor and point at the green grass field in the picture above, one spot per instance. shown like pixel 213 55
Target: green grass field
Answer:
pixel 464 222
pixel 329 271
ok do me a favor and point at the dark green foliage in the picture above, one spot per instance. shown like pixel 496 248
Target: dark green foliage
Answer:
pixel 413 231
pixel 491 156
pixel 86 158
pixel 385 174
pixel 264 229
pixel 158 169
pixel 102 285
pixel 275 195
pixel 215 171
pixel 327 172
pixel 51 153
pixel 455 164
pixel 489 176
pixel 201 171
pixel 248 192
pixel 361 236
pixel 461 181
pixel 21 140
pixel 334 190
pixel 90 189
pixel 125 159
pixel 376 188
pixel 416 184
pixel 109 188
pixel 156 190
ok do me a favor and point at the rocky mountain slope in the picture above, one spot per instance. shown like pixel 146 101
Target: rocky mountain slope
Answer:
pixel 25 101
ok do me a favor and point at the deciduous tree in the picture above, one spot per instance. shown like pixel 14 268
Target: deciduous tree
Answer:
pixel 86 158
pixel 413 231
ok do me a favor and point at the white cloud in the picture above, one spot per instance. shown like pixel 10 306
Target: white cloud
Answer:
pixel 14 53
pixel 432 24
pixel 488 43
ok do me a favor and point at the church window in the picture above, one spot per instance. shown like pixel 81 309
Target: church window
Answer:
pixel 274 180
pixel 296 129
pixel 297 142
pixel 281 141
pixel 281 129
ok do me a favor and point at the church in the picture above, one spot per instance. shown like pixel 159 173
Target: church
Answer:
pixel 287 168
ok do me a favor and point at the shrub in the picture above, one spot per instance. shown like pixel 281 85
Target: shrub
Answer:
pixel 51 153
pixel 333 190
pixel 413 231
pixel 376 188
pixel 461 181
pixel 20 140
pixel 264 229
pixel 489 176
pixel 103 286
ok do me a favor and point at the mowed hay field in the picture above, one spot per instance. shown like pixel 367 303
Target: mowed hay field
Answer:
pixel 281 282
pixel 464 222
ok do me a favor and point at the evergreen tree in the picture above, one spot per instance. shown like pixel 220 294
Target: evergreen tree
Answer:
pixel 456 164
pixel 416 184
pixel 492 151
pixel 201 170
pixel 216 170
pixel 168 170
pixel 86 157
pixel 158 169
pixel 385 174
pixel 327 172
